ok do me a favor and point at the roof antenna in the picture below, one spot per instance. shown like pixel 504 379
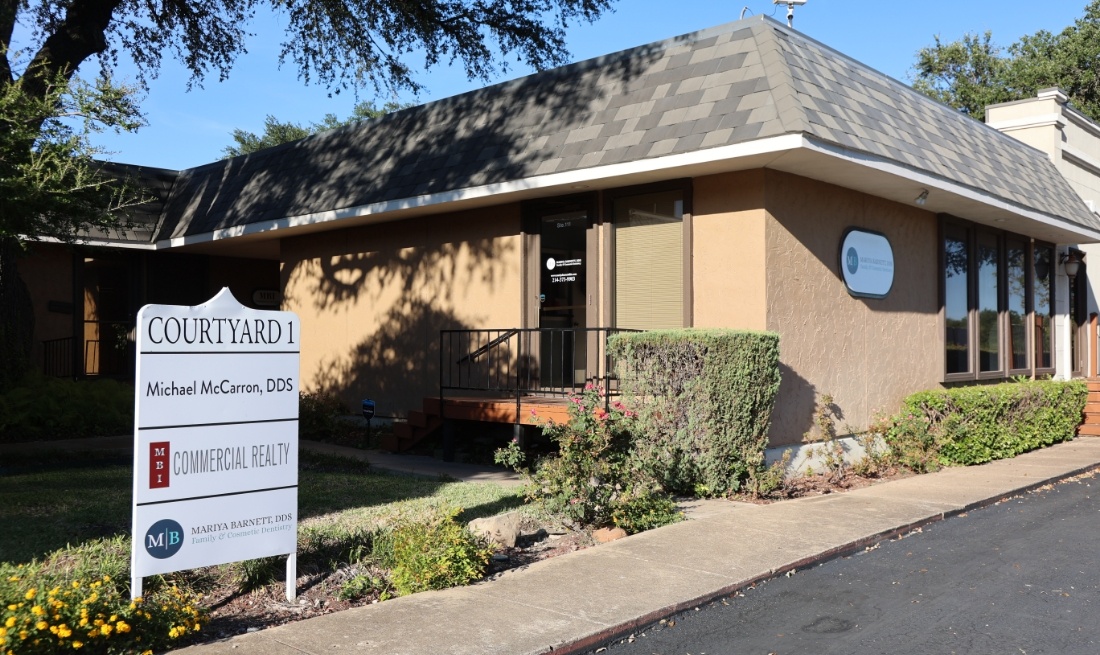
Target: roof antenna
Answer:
pixel 790 9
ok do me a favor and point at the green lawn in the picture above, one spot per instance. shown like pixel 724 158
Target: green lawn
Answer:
pixel 53 500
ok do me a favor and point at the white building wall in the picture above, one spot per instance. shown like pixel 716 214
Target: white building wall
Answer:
pixel 1072 141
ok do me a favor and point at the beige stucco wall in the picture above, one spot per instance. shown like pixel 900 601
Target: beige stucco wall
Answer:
pixel 373 299
pixel 1081 159
pixel 1070 138
pixel 728 274
pixel 1032 121
pixel 867 353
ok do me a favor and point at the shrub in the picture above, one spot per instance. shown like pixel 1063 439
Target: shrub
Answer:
pixel 972 425
pixel 45 408
pixel 434 554
pixel 595 478
pixel 318 415
pixel 43 615
pixel 704 401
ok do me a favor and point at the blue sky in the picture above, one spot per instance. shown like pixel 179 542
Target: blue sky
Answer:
pixel 188 129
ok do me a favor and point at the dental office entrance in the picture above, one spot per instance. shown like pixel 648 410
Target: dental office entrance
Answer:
pixel 595 264
pixel 622 268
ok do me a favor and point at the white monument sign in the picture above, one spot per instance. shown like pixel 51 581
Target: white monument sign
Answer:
pixel 215 437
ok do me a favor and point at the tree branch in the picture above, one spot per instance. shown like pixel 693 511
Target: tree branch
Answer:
pixel 8 11
pixel 79 36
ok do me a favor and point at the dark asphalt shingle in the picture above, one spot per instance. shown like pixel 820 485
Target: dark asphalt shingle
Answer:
pixel 731 84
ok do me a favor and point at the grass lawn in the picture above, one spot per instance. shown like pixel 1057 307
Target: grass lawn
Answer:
pixel 50 501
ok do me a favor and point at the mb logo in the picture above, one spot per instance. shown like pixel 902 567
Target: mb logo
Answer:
pixel 164 539
pixel 852 260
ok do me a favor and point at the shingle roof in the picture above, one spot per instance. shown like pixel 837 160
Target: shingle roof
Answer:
pixel 728 85
pixel 141 222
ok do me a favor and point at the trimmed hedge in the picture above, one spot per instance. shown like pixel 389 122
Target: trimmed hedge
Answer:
pixel 704 400
pixel 972 425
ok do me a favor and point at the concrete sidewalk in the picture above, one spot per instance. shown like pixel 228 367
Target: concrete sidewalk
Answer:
pixel 576 601
pixel 420 465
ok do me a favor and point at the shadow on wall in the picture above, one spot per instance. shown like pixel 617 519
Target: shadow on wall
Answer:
pixel 419 268
pixel 793 415
pixel 398 365
pixel 422 276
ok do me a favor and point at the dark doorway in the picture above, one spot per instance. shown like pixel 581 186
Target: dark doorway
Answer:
pixel 562 306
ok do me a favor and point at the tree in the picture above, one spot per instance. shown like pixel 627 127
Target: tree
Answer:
pixel 973 72
pixel 51 186
pixel 338 43
pixel 277 132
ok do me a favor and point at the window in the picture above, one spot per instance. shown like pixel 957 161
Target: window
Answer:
pixel 649 260
pixel 956 259
pixel 1016 268
pixel 1044 306
pixel 997 303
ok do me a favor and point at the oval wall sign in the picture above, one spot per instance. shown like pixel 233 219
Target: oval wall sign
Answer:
pixel 866 263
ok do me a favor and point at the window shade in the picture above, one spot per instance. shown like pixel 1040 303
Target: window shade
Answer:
pixel 649 263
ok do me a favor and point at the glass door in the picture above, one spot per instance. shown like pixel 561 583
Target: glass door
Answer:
pixel 562 298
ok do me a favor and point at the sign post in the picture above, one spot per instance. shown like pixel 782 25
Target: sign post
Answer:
pixel 215 438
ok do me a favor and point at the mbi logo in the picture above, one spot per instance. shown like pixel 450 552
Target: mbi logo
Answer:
pixel 852 260
pixel 164 539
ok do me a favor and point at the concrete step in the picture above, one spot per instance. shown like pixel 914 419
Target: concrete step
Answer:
pixel 1087 430
pixel 420 419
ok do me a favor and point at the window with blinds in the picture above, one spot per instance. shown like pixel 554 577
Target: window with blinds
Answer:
pixel 649 261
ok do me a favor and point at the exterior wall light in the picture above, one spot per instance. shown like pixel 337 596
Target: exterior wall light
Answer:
pixel 1071 260
pixel 922 198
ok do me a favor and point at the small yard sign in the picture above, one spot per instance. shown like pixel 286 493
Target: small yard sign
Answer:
pixel 215 437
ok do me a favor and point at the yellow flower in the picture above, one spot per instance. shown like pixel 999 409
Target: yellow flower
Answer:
pixel 106 629
pixel 30 593
pixel 122 626
pixel 83 622
pixel 64 631
pixel 41 625
pixel 12 608
pixel 175 632
pixel 10 623
pixel 78 644
pixel 38 611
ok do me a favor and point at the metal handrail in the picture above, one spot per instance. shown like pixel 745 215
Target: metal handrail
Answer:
pixel 57 357
pixel 508 334
pixel 514 362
